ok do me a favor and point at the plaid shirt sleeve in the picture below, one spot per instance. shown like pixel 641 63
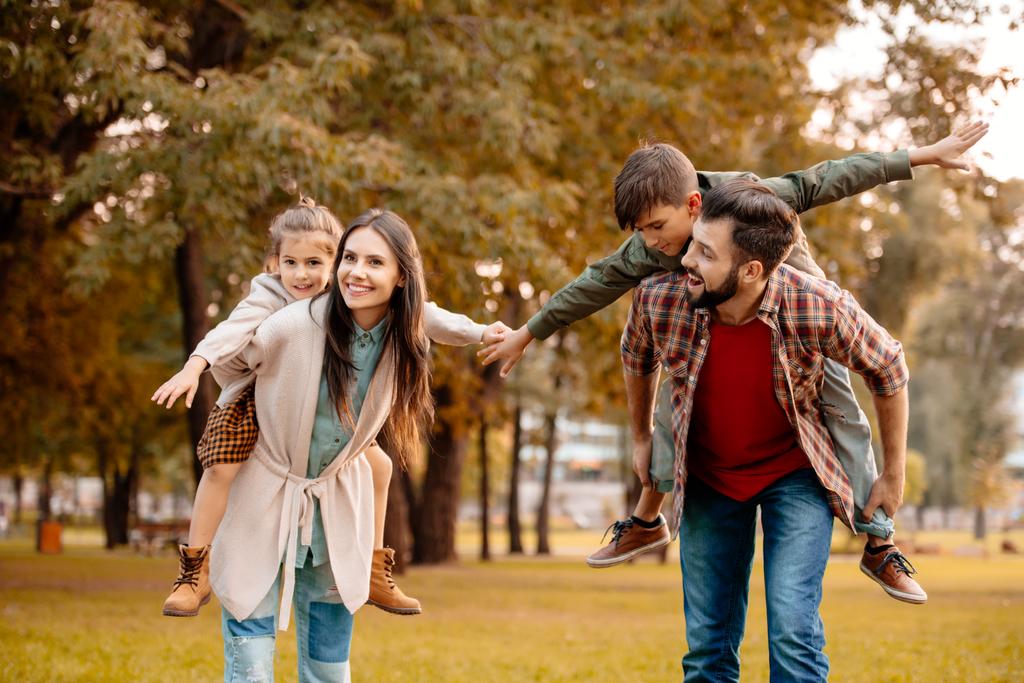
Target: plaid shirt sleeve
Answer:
pixel 867 348
pixel 638 355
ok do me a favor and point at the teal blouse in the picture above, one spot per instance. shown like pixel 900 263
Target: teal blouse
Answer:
pixel 331 434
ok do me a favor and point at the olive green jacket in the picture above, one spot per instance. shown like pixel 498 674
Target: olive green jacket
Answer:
pixel 606 280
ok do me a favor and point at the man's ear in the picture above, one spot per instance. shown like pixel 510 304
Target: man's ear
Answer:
pixel 693 203
pixel 752 271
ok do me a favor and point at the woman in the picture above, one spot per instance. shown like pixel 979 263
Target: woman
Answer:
pixel 331 373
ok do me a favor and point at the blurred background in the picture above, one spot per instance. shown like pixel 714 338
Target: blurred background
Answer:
pixel 147 145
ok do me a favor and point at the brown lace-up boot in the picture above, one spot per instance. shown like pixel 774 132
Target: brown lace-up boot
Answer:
pixel 383 591
pixel 192 587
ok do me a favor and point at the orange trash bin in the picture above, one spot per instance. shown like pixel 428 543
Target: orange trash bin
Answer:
pixel 50 538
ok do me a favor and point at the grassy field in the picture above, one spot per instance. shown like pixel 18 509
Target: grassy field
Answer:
pixel 89 615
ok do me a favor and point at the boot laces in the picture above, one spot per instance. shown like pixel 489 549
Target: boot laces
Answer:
pixel 190 567
pixel 618 529
pixel 389 562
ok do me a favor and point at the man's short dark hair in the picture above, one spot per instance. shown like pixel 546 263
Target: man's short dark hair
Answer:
pixel 763 226
pixel 653 175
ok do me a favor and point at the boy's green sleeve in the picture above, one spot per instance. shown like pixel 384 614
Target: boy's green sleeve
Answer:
pixel 606 280
pixel 828 181
pixel 598 286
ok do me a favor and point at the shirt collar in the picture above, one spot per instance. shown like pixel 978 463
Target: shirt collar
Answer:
pixel 376 333
pixel 772 298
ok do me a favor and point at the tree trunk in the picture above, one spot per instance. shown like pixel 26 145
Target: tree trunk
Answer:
pixel 485 508
pixel 544 509
pixel 193 301
pixel 515 537
pixel 45 490
pixel 979 523
pixel 434 525
pixel 19 490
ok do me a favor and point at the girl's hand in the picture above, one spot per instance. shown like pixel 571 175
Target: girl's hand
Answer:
pixel 186 382
pixel 495 332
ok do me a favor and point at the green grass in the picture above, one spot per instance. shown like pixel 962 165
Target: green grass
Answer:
pixel 89 615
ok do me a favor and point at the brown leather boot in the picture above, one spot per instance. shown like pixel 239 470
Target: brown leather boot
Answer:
pixel 383 591
pixel 192 587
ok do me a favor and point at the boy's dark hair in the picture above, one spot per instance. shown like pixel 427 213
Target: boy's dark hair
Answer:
pixel 763 226
pixel 653 175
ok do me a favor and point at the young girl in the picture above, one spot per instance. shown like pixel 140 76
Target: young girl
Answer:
pixel 346 365
pixel 303 245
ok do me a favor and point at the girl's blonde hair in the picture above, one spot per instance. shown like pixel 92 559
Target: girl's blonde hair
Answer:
pixel 306 217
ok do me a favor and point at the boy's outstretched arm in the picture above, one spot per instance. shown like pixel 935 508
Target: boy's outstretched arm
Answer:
pixel 830 181
pixel 598 286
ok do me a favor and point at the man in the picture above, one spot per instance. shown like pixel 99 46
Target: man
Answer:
pixel 744 341
pixel 658 196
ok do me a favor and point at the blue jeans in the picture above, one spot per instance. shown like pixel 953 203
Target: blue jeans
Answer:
pixel 846 423
pixel 323 628
pixel 716 551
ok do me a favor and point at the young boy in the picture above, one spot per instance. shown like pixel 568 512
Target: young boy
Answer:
pixel 658 195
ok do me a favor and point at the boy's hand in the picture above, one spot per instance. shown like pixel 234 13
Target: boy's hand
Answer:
pixel 642 460
pixel 886 493
pixel 186 381
pixel 511 349
pixel 946 152
pixel 495 332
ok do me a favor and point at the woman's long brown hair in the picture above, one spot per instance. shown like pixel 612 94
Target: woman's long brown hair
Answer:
pixel 404 338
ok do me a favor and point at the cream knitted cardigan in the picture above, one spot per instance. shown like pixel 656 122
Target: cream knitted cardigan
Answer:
pixel 267 294
pixel 270 507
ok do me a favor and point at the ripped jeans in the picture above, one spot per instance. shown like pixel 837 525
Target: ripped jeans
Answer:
pixel 323 628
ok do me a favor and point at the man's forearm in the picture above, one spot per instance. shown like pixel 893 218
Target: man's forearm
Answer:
pixel 640 391
pixel 893 416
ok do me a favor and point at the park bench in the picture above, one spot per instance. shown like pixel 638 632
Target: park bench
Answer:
pixel 151 536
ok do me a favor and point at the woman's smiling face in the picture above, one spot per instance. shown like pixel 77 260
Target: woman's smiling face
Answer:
pixel 368 274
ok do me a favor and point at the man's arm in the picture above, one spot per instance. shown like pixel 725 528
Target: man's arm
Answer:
pixel 893 416
pixel 867 348
pixel 640 370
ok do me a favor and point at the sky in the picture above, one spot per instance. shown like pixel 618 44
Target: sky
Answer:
pixel 859 51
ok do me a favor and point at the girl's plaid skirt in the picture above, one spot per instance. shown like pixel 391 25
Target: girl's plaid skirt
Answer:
pixel 230 432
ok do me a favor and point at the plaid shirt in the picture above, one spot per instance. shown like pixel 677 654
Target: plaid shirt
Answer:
pixel 810 319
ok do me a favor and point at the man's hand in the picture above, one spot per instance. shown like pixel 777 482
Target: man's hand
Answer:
pixel 887 493
pixel 946 152
pixel 510 350
pixel 186 382
pixel 642 460
pixel 495 333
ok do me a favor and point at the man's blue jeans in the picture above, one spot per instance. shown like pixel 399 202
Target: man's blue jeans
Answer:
pixel 716 550
pixel 323 628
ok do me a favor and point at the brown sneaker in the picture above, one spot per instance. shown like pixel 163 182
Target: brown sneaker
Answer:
pixel 383 591
pixel 892 571
pixel 192 587
pixel 629 540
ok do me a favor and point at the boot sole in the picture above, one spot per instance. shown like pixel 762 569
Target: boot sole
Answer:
pixel 404 611
pixel 183 613
pixel 619 559
pixel 892 592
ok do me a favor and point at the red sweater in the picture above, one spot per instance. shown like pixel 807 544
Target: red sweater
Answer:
pixel 740 439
